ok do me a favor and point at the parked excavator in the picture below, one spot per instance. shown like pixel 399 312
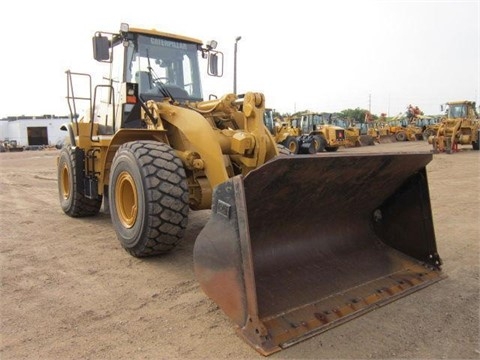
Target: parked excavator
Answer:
pixel 460 127
pixel 292 247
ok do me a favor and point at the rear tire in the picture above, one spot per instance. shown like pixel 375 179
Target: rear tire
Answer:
pixel 148 196
pixel 319 143
pixel 291 144
pixel 308 147
pixel 427 133
pixel 401 136
pixel 70 185
pixel 475 144
pixel 331 148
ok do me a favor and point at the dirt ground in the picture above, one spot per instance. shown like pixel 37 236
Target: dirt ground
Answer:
pixel 69 291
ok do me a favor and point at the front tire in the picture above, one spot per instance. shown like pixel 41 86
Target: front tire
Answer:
pixel 70 185
pixel 148 196
pixel 291 144
pixel 401 136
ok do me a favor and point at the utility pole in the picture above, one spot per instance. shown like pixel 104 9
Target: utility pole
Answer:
pixel 237 39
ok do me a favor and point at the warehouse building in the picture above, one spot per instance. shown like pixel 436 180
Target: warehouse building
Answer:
pixel 33 130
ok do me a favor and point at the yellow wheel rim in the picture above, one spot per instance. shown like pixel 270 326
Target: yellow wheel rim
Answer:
pixel 292 147
pixel 126 199
pixel 65 181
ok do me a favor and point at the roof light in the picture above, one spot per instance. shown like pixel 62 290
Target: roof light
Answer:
pixel 124 27
pixel 212 44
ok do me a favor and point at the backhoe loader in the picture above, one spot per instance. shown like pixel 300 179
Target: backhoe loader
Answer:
pixel 294 244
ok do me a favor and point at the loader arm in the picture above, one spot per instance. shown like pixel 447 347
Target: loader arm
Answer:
pixel 200 135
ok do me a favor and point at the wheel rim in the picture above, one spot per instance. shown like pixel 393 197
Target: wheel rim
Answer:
pixel 126 199
pixel 65 181
pixel 292 146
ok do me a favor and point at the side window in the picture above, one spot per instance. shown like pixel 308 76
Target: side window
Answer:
pixel 187 75
pixel 117 77
pixel 105 98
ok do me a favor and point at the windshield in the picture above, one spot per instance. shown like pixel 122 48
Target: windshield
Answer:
pixel 317 120
pixel 340 123
pixel 457 111
pixel 164 68
pixel 268 120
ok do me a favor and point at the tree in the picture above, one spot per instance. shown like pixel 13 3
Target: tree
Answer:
pixel 357 115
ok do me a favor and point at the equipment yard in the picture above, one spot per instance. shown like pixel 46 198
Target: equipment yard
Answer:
pixel 69 290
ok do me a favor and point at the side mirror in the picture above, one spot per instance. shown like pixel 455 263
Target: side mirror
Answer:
pixel 215 63
pixel 101 48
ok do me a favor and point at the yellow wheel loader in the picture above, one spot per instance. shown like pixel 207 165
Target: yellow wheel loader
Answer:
pixel 308 133
pixel 318 132
pixel 358 232
pixel 460 127
pixel 283 132
pixel 356 135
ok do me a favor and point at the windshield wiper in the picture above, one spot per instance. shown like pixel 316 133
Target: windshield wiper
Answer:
pixel 157 82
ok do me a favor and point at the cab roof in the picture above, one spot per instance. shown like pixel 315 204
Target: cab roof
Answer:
pixel 460 102
pixel 165 35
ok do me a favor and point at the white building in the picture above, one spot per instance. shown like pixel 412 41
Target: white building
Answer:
pixel 33 130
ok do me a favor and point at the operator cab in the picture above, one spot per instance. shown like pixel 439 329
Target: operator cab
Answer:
pixel 151 65
pixel 163 68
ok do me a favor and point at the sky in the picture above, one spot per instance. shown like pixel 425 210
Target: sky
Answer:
pixel 302 54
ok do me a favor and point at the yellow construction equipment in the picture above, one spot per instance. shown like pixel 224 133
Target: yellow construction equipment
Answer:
pixel 428 124
pixel 318 134
pixel 355 135
pixel 308 133
pixel 460 127
pixel 403 130
pixel 294 244
pixel 283 131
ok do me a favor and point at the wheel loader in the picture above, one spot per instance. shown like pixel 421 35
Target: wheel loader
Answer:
pixel 356 135
pixel 283 132
pixel 294 244
pixel 401 130
pixel 460 127
pixel 318 132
